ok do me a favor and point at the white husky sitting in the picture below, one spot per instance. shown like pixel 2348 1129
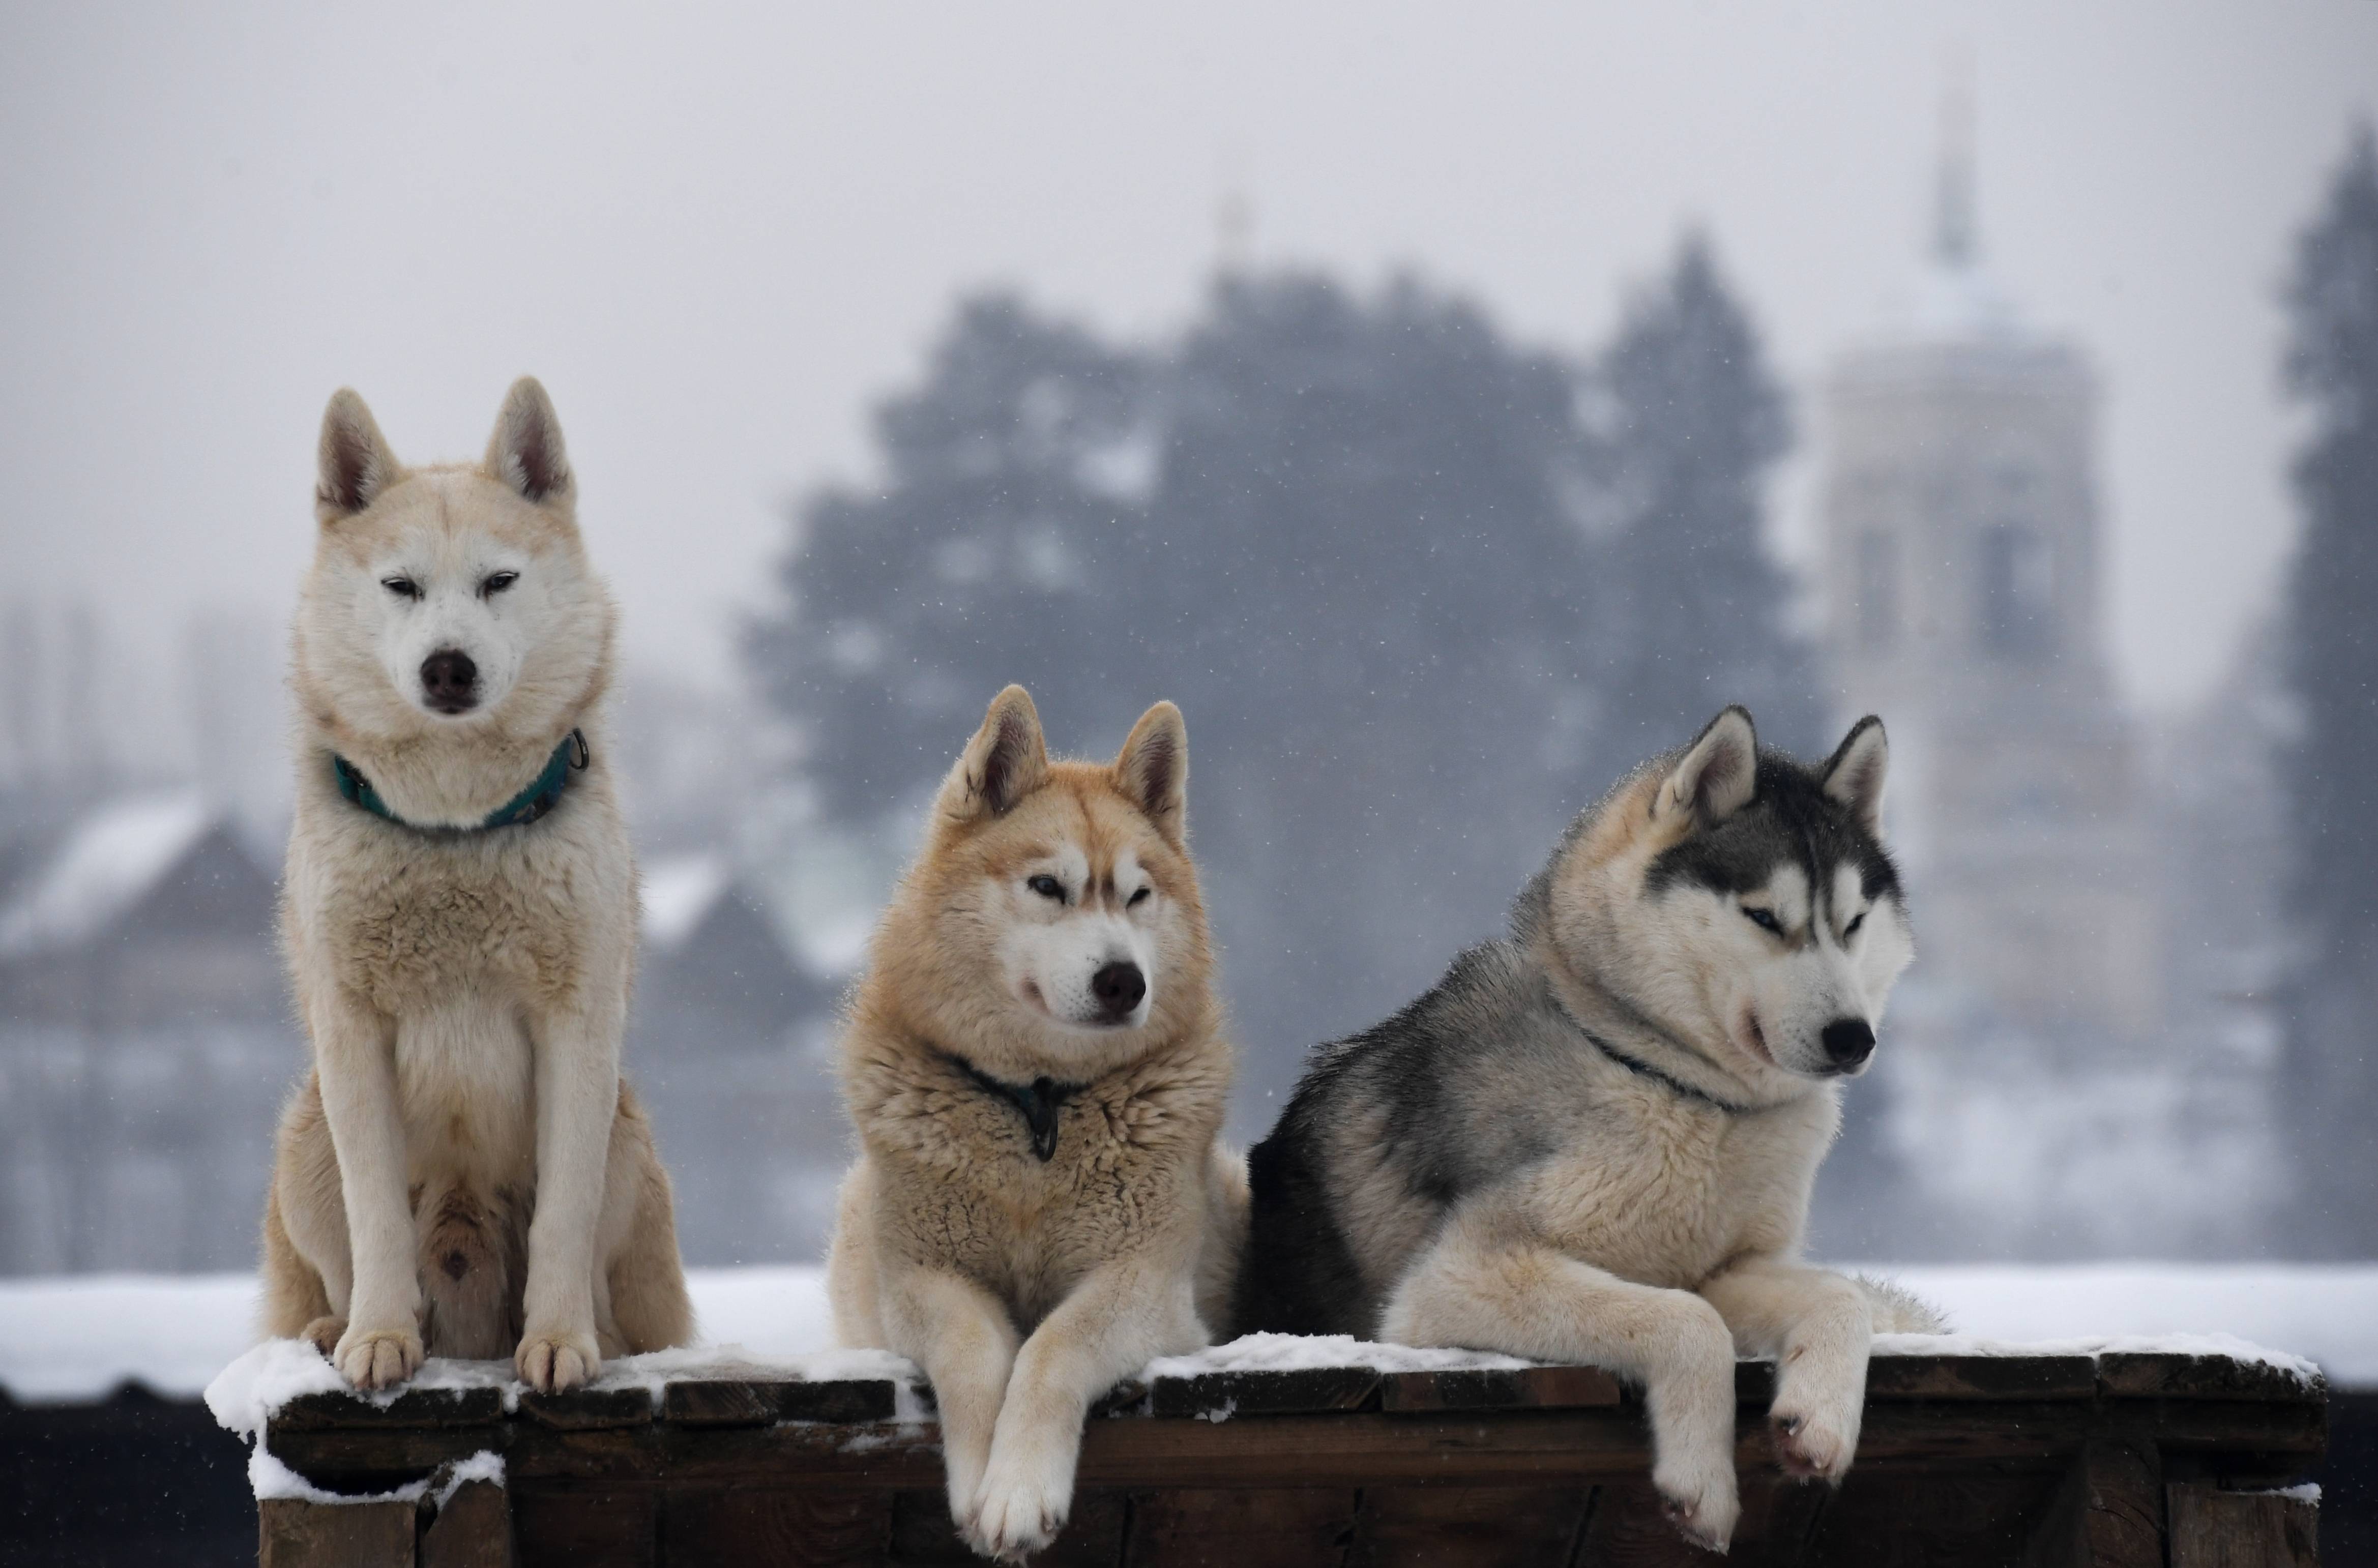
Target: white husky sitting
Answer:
pixel 463 1173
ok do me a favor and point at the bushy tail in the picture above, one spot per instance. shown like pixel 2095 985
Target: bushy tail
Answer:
pixel 1223 1250
pixel 1900 1310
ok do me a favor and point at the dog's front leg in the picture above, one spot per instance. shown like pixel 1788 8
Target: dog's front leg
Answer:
pixel 356 1058
pixel 961 1335
pixel 1818 1328
pixel 1123 1315
pixel 1480 1287
pixel 576 1057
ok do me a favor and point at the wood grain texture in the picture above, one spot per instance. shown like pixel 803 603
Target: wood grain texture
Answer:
pixel 2212 1529
pixel 774 1527
pixel 922 1535
pixel 1307 1528
pixel 473 1529
pixel 335 1535
pixel 2108 1510
pixel 1533 1388
pixel 599 1526
pixel 1264 1394
pixel 1514 1526
pixel 2130 1376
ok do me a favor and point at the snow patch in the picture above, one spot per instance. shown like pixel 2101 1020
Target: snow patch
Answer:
pixel 245 1396
pixel 678 891
pixel 274 1481
pixel 1290 1353
pixel 2191 1344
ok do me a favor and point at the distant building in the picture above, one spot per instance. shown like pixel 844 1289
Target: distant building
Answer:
pixel 145 1042
pixel 726 1042
pixel 1962 577
pixel 2045 1089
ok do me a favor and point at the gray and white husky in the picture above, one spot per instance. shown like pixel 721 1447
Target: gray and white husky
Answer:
pixel 1594 1141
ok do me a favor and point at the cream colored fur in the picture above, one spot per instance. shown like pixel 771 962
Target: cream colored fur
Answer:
pixel 1663 1239
pixel 463 1172
pixel 1025 1290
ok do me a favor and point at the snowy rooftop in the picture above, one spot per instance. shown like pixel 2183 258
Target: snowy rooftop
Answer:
pixel 81 1337
pixel 109 861
pixel 679 892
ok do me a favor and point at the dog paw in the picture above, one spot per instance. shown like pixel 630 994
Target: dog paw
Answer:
pixel 324 1334
pixel 1811 1448
pixel 1020 1506
pixel 1703 1511
pixel 555 1361
pixel 377 1358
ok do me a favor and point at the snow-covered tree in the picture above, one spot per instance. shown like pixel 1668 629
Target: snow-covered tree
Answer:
pixel 1696 611
pixel 2332 624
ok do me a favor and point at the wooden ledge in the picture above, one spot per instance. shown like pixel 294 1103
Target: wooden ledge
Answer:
pixel 1963 1460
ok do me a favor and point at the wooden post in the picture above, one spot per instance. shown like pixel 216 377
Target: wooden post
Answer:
pixel 294 1534
pixel 2211 1529
pixel 2109 1512
pixel 473 1529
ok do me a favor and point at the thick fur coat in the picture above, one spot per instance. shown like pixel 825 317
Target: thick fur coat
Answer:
pixel 1037 1068
pixel 1595 1139
pixel 462 1172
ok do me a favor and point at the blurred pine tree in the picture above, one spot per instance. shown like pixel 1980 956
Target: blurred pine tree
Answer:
pixel 2332 648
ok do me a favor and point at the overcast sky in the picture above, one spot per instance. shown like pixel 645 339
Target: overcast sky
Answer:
pixel 719 233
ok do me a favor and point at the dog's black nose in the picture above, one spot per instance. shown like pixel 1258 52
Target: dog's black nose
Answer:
pixel 1848 1042
pixel 449 681
pixel 1118 988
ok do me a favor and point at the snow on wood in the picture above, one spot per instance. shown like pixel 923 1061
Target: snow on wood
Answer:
pixel 79 1337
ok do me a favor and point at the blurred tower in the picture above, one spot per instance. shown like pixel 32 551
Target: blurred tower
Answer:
pixel 1962 557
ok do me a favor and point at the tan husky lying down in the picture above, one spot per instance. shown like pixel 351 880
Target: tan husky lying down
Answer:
pixel 1037 1068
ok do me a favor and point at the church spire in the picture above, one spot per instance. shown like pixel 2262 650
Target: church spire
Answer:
pixel 1955 242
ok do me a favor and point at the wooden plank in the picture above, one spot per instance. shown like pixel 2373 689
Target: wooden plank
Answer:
pixel 741 1401
pixel 1518 1526
pixel 2125 1375
pixel 1780 1516
pixel 291 1534
pixel 722 1402
pixel 584 1526
pixel 2212 1529
pixel 1627 1529
pixel 473 1529
pixel 414 1407
pixel 1504 1448
pixel 2109 1511
pixel 776 1527
pixel 1981 1377
pixel 1195 1528
pixel 1537 1388
pixel 922 1535
pixel 344 1459
pixel 588 1409
pixel 1221 1395
pixel 1955 1519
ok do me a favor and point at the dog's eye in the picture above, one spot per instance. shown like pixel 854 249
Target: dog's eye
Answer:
pixel 1851 929
pixel 1138 898
pixel 1765 920
pixel 402 587
pixel 1046 886
pixel 496 582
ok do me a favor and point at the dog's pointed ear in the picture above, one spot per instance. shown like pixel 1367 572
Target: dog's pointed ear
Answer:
pixel 525 451
pixel 353 463
pixel 1006 759
pixel 1152 769
pixel 1719 774
pixel 1854 778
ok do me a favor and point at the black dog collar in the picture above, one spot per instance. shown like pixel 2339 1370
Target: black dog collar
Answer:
pixel 1040 1101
